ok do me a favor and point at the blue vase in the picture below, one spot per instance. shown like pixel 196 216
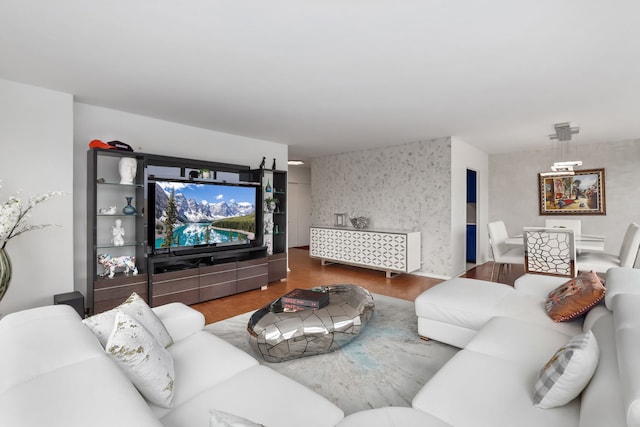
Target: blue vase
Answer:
pixel 129 210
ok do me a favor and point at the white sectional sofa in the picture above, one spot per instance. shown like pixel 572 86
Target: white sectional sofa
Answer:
pixel 490 382
pixel 506 339
pixel 54 372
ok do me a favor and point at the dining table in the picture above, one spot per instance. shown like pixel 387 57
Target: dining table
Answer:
pixel 584 242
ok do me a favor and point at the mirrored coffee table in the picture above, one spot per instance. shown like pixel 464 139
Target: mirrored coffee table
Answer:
pixel 279 335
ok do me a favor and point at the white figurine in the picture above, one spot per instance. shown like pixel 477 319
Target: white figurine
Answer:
pixel 127 166
pixel 111 210
pixel 268 226
pixel 118 233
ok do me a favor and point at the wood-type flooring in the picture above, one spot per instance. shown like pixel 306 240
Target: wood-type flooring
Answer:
pixel 306 272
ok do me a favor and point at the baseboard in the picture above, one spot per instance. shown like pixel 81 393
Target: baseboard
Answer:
pixel 431 275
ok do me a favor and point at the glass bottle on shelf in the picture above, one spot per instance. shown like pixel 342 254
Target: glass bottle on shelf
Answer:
pixel 267 189
pixel 128 209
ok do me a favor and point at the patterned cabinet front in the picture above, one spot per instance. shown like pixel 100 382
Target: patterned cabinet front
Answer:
pixel 388 251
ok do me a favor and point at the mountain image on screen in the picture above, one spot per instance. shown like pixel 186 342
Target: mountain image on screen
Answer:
pixel 188 214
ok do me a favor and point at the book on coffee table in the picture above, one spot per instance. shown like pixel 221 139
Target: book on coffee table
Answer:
pixel 305 298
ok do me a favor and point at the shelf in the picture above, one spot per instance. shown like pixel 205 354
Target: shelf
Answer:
pixel 120 185
pixel 119 215
pixel 126 245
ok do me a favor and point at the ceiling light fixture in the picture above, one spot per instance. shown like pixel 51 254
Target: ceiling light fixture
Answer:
pixel 563 150
pixel 295 162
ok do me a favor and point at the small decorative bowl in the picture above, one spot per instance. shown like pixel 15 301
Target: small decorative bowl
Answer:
pixel 360 222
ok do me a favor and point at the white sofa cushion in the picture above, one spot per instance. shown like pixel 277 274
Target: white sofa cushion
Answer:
pixel 601 402
pixel 621 280
pixel 475 389
pixel 460 301
pixel 259 394
pixel 180 320
pixel 391 416
pixel 517 341
pixel 202 361
pixel 530 308
pixel 54 372
pixel 41 340
pixel 626 315
pixel 102 324
pixel 92 392
pixel 454 310
pixel 146 362
pixel 567 372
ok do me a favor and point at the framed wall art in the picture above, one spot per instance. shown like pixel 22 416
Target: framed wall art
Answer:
pixel 578 194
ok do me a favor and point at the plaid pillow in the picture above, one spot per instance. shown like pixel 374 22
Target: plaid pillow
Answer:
pixel 567 373
pixel 575 297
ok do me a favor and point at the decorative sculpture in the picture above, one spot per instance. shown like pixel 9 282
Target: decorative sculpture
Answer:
pixel 118 233
pixel 128 167
pixel 110 264
pixel 111 210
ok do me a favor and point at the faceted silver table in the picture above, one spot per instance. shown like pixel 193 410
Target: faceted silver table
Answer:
pixel 279 335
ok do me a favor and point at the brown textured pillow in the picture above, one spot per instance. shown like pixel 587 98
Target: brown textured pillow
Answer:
pixel 575 297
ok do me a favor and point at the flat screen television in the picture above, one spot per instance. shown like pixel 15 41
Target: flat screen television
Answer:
pixel 187 215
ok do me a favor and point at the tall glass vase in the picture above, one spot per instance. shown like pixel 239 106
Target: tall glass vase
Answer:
pixel 5 272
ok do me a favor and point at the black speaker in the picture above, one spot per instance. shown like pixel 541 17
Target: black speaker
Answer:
pixel 74 299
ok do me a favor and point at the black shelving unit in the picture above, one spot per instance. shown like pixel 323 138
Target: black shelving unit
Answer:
pixel 163 277
pixel 275 222
pixel 104 191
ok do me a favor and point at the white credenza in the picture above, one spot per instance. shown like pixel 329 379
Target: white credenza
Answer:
pixel 389 251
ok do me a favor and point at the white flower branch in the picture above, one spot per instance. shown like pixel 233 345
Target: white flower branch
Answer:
pixel 14 217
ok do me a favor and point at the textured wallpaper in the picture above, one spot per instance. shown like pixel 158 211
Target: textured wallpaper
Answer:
pixel 404 187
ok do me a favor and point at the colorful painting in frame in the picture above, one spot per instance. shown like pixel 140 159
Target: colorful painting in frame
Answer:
pixel 578 194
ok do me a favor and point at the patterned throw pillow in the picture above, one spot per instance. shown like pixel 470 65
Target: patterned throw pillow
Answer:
pixel 102 324
pixel 567 373
pixel 147 364
pixel 224 419
pixel 575 297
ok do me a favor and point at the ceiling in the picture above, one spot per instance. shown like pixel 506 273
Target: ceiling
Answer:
pixel 333 76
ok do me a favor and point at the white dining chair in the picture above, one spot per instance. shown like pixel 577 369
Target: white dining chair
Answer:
pixel 574 224
pixel 503 254
pixel 600 262
pixel 549 251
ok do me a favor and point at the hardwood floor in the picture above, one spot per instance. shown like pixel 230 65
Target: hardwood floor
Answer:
pixel 306 272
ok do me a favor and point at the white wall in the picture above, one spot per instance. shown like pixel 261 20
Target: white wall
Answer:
pixel 514 188
pixel 154 136
pixel 403 187
pixel 463 157
pixel 36 134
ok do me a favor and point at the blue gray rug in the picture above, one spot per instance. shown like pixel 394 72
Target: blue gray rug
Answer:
pixel 385 366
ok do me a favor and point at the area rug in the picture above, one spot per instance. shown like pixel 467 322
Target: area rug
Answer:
pixel 385 366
